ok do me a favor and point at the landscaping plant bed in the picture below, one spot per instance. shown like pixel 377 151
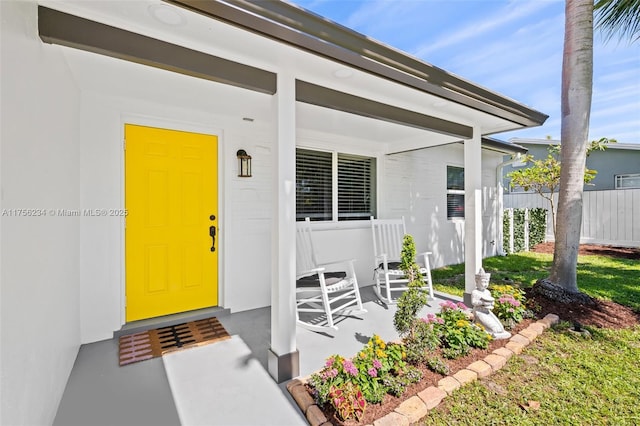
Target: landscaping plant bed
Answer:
pixel 429 378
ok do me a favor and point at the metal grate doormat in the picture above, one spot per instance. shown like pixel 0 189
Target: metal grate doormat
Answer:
pixel 154 343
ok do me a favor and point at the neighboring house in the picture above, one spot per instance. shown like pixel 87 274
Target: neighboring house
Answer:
pixel 618 166
pixel 610 203
pixel 142 107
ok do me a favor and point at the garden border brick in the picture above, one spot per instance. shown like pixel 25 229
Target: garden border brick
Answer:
pixel 429 398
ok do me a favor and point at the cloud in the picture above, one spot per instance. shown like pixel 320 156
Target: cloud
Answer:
pixel 473 30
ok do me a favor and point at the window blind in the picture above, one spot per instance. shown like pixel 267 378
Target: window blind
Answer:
pixel 356 187
pixel 455 192
pixel 313 185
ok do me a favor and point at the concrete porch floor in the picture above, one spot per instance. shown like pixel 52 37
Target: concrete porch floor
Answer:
pixel 99 392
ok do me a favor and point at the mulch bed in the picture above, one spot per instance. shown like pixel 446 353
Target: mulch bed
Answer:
pixel 593 249
pixel 602 313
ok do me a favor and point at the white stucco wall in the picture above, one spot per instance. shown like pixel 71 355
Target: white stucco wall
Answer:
pixel 40 322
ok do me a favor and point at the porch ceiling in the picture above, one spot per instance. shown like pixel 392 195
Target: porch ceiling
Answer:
pixel 198 32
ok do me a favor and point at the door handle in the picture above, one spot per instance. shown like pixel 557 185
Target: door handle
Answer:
pixel 212 233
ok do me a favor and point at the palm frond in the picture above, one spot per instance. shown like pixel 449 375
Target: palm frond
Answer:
pixel 618 17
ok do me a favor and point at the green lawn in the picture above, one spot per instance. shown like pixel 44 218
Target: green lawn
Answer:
pixel 575 380
pixel 599 276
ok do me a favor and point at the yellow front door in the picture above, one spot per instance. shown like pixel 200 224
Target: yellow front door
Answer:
pixel 171 245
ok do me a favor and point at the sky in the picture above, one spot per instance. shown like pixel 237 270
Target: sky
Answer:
pixel 512 47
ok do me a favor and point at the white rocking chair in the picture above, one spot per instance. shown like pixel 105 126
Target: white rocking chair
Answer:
pixel 387 246
pixel 321 292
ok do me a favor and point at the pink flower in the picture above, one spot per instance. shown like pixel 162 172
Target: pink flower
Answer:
pixel 349 367
pixel 377 364
pixel 329 362
pixel 448 304
pixel 373 372
pixel 462 306
pixel 329 374
pixel 429 318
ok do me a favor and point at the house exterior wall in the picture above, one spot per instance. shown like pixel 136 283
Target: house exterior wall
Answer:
pixel 40 263
pixel 608 163
pixel 244 204
pixel 416 188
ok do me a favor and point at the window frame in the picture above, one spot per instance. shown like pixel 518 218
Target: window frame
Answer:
pixel 335 213
pixel 620 177
pixel 451 191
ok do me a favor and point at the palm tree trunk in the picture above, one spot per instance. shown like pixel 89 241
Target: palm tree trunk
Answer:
pixel 577 85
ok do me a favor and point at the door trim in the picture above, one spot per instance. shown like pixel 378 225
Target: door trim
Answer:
pixel 194 127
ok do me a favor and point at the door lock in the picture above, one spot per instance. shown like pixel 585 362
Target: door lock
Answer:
pixel 212 233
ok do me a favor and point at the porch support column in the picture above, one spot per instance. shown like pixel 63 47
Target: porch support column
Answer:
pixel 472 212
pixel 283 359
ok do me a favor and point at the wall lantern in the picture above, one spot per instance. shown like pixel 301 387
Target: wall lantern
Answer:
pixel 244 163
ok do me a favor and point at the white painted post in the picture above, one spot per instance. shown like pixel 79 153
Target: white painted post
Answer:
pixel 472 212
pixel 283 360
pixel 510 231
pixel 526 229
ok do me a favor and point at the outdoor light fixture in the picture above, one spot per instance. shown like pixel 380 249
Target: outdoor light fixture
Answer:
pixel 244 163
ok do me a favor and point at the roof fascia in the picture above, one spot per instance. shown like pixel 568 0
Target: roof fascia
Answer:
pixel 502 146
pixel 321 96
pixel 60 28
pixel 302 29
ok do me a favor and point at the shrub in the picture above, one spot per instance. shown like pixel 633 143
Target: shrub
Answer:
pixel 510 305
pixel 397 385
pixel 413 299
pixel 457 333
pixel 425 337
pixel 438 365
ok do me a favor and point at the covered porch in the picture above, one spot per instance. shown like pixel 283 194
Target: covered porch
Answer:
pixel 101 393
pixel 265 77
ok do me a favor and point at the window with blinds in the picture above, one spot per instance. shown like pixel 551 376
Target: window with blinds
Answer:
pixel 455 192
pixel 315 185
pixel 356 187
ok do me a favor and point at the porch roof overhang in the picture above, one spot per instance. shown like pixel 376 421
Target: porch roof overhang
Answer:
pixel 388 86
pixel 300 28
pixel 61 28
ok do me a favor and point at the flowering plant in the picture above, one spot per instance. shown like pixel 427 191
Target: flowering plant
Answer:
pixel 369 371
pixel 509 305
pixel 498 290
pixel 457 333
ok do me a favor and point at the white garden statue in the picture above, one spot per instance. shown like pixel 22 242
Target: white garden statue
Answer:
pixel 482 303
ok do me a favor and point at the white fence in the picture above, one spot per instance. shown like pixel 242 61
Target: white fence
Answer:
pixel 608 217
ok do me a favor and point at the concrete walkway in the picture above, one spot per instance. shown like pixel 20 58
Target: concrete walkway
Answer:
pixel 99 392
